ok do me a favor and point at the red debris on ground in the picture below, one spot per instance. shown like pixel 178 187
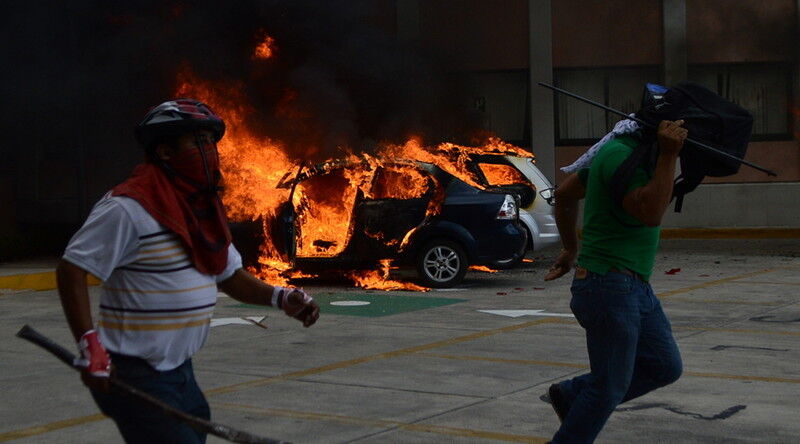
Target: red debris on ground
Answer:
pixel 500 293
pixel 673 271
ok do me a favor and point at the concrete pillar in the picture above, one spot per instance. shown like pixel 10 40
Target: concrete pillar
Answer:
pixel 541 70
pixel 675 56
pixel 796 76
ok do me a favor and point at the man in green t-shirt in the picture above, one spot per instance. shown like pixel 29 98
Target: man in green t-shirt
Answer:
pixel 629 339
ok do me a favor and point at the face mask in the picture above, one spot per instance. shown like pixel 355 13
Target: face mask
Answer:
pixel 199 166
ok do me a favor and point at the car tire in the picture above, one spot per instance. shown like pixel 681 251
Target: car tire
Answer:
pixel 441 264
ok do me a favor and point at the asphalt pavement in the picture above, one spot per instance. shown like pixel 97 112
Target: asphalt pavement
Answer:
pixel 464 365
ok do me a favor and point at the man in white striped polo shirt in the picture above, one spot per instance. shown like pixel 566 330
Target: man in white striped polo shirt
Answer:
pixel 161 245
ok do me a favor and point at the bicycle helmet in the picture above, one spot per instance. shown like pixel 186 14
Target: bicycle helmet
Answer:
pixel 175 117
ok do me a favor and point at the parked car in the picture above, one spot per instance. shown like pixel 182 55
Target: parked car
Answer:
pixel 389 220
pixel 536 208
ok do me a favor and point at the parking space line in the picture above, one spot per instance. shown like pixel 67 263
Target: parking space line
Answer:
pixel 503 360
pixel 574 323
pixel 38 430
pixel 573 365
pixel 379 356
pixel 380 423
pixel 722 301
pixel 743 377
pixel 666 294
pixel 36 281
pixel 738 330
pixel 768 283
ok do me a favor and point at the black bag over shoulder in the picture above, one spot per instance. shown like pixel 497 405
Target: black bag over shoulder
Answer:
pixel 709 118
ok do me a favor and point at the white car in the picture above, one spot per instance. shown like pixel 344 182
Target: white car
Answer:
pixel 538 217
pixel 536 206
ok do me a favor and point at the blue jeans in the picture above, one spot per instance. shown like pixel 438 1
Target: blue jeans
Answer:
pixel 631 351
pixel 142 423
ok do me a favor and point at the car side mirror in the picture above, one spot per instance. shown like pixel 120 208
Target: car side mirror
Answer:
pixel 549 195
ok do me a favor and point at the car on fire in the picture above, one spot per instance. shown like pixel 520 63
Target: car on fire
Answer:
pixel 412 212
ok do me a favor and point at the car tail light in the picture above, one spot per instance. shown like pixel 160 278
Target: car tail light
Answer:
pixel 509 208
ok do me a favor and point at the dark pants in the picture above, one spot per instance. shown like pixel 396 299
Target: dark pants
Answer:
pixel 631 351
pixel 141 423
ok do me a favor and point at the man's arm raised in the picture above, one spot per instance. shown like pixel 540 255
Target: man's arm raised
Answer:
pixel 648 203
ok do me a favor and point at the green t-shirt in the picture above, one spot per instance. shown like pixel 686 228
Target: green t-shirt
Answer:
pixel 612 238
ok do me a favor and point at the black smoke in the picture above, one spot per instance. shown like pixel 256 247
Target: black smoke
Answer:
pixel 88 70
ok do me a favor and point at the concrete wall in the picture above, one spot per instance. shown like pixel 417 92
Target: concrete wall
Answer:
pixel 738 205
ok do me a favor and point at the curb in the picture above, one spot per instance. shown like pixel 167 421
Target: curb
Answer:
pixel 36 281
pixel 730 233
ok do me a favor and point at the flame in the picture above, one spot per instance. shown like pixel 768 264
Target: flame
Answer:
pixel 482 268
pixel 452 158
pixel 497 174
pixel 325 196
pixel 265 48
pixel 379 279
pixel 251 166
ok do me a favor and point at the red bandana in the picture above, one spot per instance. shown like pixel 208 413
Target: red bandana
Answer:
pixel 197 217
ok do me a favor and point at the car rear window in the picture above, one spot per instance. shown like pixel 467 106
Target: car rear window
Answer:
pixel 498 174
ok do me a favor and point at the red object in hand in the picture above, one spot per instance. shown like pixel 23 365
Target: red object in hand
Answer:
pixel 94 356
pixel 672 271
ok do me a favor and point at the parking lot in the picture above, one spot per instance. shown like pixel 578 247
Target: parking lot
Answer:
pixel 459 365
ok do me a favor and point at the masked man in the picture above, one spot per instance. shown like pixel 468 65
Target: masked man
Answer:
pixel 161 245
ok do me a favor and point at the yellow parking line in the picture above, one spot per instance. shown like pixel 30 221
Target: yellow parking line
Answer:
pixel 722 301
pixel 38 430
pixel 392 354
pixel 381 423
pixel 504 360
pixel 666 294
pixel 738 330
pixel 573 365
pixel 730 233
pixel 36 281
pixel 743 377
pixel 574 323
pixel 15 434
pixel 768 283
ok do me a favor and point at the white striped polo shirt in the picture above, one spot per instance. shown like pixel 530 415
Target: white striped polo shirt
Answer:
pixel 154 304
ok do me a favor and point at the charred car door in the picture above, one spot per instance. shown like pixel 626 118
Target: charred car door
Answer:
pixel 396 203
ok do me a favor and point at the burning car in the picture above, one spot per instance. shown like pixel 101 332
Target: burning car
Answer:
pixel 410 212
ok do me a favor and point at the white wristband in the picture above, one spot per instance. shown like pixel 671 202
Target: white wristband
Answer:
pixel 276 296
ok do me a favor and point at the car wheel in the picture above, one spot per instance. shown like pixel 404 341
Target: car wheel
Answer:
pixel 441 264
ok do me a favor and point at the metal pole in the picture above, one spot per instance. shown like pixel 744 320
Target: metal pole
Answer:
pixel 642 122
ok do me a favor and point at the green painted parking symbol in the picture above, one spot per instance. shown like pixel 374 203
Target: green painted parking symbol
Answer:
pixel 372 305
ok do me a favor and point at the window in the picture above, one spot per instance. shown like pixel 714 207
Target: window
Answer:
pixel 761 88
pixel 499 174
pixel 578 123
pixel 501 100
